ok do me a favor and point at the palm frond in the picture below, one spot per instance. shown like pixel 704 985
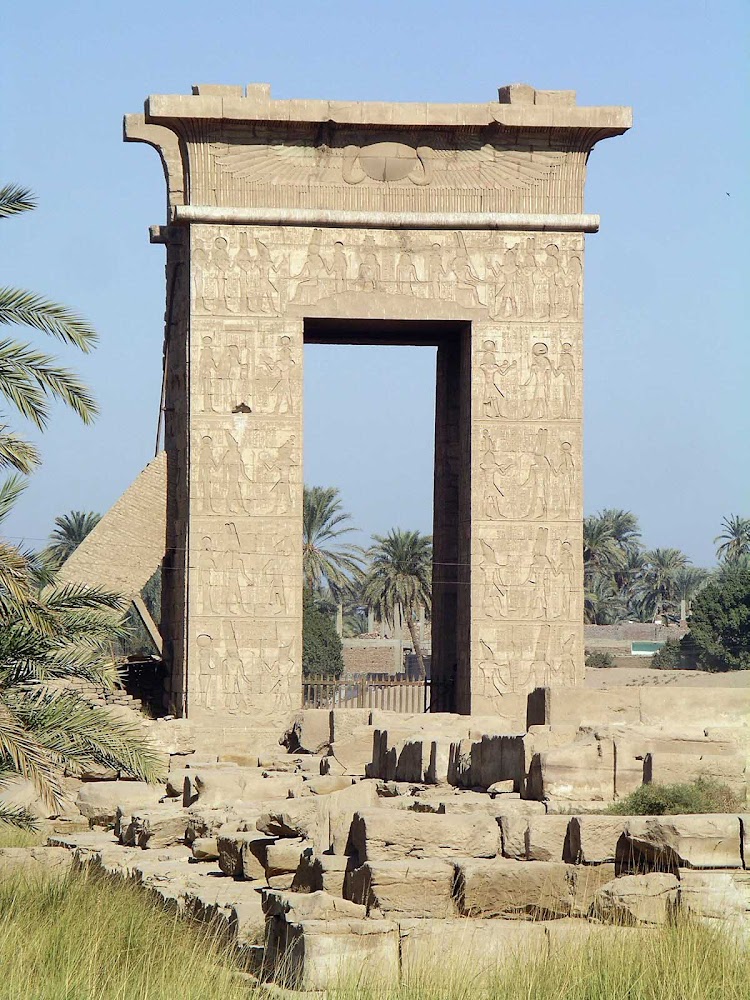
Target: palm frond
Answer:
pixel 29 378
pixel 30 309
pixel 17 817
pixel 16 452
pixel 27 757
pixel 78 733
pixel 15 199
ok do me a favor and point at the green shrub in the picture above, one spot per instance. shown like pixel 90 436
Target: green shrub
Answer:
pixel 704 795
pixel 671 657
pixel 599 658
pixel 322 651
pixel 720 622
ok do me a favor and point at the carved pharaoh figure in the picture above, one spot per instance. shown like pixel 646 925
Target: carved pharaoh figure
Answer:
pixel 541 373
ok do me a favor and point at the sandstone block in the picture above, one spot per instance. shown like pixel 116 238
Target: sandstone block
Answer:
pixel 692 706
pixel 355 752
pixel 638 899
pixel 498 758
pixel 677 768
pixel 98 800
pixel 343 722
pixel 594 839
pixel 224 786
pixel 501 788
pixel 205 849
pixel 321 873
pixel 513 834
pixel 316 954
pixel 35 862
pixel 416 888
pixel 466 947
pixel 715 895
pixel 283 857
pixel 309 731
pixel 589 879
pixel 243 855
pixel 326 784
pixel 342 806
pixel 547 839
pixel 156 828
pixel 503 888
pixel 384 835
pixel 438 770
pixel 306 818
pixel 411 763
pixel 580 771
pixel 664 843
pixel 208 822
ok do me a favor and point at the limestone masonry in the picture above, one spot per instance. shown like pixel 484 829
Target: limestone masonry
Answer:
pixel 457 226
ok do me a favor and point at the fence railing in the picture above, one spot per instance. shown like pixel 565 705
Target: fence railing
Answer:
pixel 390 694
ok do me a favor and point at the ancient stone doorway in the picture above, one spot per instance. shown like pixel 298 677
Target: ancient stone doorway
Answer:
pixel 291 219
pixel 451 476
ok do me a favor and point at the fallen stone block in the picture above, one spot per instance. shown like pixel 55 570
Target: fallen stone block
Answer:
pixel 98 800
pixel 582 706
pixel 501 788
pixel 547 839
pixel 678 768
pixel 513 836
pixel 665 843
pixel 439 766
pixel 306 818
pixel 594 839
pixel 588 880
pixel 321 873
pixel 156 828
pixel 294 906
pixel 283 857
pixel 205 849
pixel 638 899
pixel 342 806
pixel 344 722
pixel 309 731
pixel 318 954
pixel 224 786
pixel 715 895
pixel 580 771
pixel 355 753
pixel 35 862
pixel 498 758
pixel 411 763
pixel 243 855
pixel 464 948
pixel 208 822
pixel 325 784
pixel 384 835
pixel 503 888
pixel 417 888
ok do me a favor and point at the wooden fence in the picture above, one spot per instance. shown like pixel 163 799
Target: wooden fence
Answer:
pixel 392 694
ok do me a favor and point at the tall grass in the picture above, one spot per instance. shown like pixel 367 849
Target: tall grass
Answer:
pixel 88 938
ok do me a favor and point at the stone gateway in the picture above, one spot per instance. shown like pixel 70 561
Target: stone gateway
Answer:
pixel 455 226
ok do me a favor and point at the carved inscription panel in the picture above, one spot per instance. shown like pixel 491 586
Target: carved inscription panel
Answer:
pixel 251 288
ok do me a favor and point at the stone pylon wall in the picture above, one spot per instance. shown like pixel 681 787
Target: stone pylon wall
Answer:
pixel 504 293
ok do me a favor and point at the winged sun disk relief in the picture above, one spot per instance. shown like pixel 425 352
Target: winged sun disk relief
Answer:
pixel 480 165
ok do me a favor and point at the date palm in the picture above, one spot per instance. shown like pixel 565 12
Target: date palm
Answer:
pixel 48 637
pixel 29 379
pixel 659 590
pixel 68 533
pixel 400 580
pixel 327 563
pixel 735 539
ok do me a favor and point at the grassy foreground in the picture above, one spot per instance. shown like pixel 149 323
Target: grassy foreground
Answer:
pixel 87 938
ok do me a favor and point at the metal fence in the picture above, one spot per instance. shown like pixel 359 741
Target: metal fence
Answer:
pixel 392 694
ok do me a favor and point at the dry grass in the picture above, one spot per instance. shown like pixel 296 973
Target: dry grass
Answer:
pixel 89 938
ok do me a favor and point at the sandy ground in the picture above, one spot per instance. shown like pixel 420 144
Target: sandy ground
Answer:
pixel 610 677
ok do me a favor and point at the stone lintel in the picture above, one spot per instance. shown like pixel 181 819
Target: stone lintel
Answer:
pixel 385 220
pixel 528 108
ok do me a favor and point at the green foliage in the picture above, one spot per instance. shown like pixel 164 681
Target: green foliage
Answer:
pixel 68 533
pixel 672 656
pixel 704 795
pixel 599 658
pixel 328 565
pixel 735 539
pixel 720 622
pixel 322 651
pixel 400 580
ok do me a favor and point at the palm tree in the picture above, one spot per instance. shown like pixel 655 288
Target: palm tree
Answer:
pixel 399 580
pixel 688 581
pixel 603 604
pixel 46 638
pixel 68 533
pixel 601 551
pixel 327 563
pixel 735 539
pixel 625 528
pixel 30 379
pixel 659 583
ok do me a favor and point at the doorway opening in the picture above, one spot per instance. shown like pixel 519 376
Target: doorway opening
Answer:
pixel 448 365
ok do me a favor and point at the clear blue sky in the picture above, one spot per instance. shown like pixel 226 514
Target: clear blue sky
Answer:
pixel 667 412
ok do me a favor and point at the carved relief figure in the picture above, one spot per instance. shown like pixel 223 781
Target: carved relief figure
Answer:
pixel 508 295
pixel 206 468
pixel 280 466
pixel 233 478
pixel 208 370
pixel 268 293
pixel 339 268
pixel 237 684
pixel 539 478
pixel 436 274
pixel 492 470
pixel 209 673
pixel 540 577
pixel 566 471
pixel 493 398
pixel 495 598
pixel 311 280
pixel 566 568
pixel 496 677
pixel 406 275
pixel 368 274
pixel 208 576
pixel 566 372
pixel 541 373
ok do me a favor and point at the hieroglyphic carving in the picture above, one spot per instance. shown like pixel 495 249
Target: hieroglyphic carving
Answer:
pixel 519 656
